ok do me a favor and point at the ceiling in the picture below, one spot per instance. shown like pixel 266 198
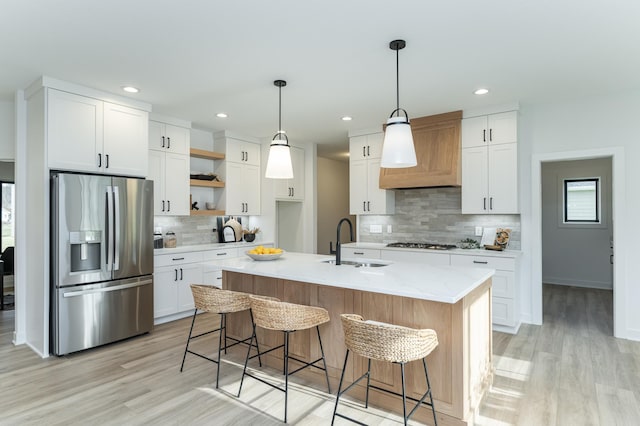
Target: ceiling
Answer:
pixel 195 58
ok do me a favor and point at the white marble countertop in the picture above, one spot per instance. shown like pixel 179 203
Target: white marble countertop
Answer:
pixel 205 247
pixel 446 284
pixel 468 252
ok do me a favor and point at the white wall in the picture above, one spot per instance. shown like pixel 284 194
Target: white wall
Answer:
pixel 7 138
pixel 333 200
pixel 576 254
pixel 604 123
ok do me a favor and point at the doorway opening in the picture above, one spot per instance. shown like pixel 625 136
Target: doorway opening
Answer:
pixel 618 189
pixel 7 244
pixel 289 226
pixel 577 243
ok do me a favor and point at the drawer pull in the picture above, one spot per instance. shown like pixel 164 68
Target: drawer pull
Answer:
pixel 358 252
pixel 482 263
pixel 177 258
pixel 221 254
pixel 218 278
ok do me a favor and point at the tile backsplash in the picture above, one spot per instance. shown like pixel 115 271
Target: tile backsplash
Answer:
pixel 433 214
pixel 189 230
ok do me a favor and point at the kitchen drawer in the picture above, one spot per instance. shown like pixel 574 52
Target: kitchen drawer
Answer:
pixel 503 311
pixel 359 252
pixel 428 258
pixel 219 254
pixel 176 259
pixel 502 263
pixel 212 277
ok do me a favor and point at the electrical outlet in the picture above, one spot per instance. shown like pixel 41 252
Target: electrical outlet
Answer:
pixel 478 231
pixel 375 229
pixel 389 229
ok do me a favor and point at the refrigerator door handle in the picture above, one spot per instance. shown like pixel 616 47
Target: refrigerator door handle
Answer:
pixel 116 233
pixel 106 289
pixel 109 230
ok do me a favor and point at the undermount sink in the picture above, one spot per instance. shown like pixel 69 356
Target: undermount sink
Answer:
pixel 356 264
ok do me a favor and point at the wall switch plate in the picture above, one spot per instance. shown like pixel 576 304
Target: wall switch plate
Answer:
pixel 478 231
pixel 389 229
pixel 375 229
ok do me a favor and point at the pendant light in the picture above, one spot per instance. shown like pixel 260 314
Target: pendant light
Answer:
pixel 279 161
pixel 397 149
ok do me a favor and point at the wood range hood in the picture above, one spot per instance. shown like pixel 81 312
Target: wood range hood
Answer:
pixel 438 150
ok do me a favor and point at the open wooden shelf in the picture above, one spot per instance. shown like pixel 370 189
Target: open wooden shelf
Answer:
pixel 207 212
pixel 206 183
pixel 207 155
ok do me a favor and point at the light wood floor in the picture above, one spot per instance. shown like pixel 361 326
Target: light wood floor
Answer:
pixel 570 371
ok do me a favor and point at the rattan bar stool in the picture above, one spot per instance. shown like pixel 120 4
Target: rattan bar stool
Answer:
pixel 386 342
pixel 213 299
pixel 271 314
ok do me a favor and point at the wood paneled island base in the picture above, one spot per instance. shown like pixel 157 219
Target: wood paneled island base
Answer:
pixel 460 368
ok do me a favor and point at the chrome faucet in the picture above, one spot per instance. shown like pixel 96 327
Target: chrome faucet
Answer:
pixel 338 245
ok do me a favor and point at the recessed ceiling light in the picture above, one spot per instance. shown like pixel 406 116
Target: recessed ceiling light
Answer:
pixel 481 92
pixel 221 115
pixel 130 89
pixel 346 118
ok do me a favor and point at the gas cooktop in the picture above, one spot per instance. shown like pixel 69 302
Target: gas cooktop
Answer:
pixel 429 246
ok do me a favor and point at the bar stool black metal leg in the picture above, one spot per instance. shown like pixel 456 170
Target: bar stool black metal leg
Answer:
pixel 246 360
pixel 257 347
pixel 223 328
pixel 286 373
pixel 404 395
pixel 366 399
pixel 188 340
pixel 344 368
pixel 433 408
pixel 222 322
pixel 326 373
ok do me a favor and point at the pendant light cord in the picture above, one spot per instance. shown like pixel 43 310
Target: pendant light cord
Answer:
pixel 398 81
pixel 280 112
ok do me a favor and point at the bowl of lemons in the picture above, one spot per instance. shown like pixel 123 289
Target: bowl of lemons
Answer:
pixel 264 253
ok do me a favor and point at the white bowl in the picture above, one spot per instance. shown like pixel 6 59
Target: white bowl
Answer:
pixel 264 256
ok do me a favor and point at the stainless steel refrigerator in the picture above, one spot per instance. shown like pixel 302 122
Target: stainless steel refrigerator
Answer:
pixel 101 260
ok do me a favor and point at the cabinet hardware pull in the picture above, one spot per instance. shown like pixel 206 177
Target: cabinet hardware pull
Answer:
pixel 246 156
pixel 168 205
pixel 293 192
pixel 221 254
pixel 611 259
pixel 289 191
pixel 162 205
pixel 368 154
pixel 490 134
pixel 99 160
pixel 246 208
pixel 163 141
pixel 218 278
pixel 358 252
pixel 106 157
pixel 364 206
pixel 180 274
pixel 484 135
pixel 363 151
pixel 482 263
pixel 484 203
pixel 491 203
pixel 176 279
pixel 168 142
pixel 368 206
pixel 178 258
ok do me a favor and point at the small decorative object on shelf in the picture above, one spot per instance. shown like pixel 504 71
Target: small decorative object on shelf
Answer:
pixel 250 234
pixel 194 206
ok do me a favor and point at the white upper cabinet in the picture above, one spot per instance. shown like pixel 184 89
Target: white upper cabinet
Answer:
pixel 169 138
pixel 490 164
pixel 240 172
pixel 490 129
pixel 365 195
pixel 293 189
pixel 89 135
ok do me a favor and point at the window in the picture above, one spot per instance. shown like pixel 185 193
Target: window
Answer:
pixel 582 200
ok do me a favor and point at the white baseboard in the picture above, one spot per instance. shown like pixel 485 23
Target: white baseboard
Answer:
pixel 506 329
pixel 633 334
pixel 600 285
pixel 173 317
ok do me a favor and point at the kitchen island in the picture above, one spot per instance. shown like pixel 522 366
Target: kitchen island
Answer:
pixel 454 301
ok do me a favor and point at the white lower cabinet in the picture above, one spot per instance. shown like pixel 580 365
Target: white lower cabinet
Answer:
pixel 359 252
pixel 504 288
pixel 172 291
pixel 428 258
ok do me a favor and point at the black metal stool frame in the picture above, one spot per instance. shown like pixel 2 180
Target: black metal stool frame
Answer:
pixel 369 385
pixel 222 330
pixel 286 371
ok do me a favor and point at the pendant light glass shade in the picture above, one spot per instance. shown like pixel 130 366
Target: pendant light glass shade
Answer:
pixel 398 150
pixel 279 161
